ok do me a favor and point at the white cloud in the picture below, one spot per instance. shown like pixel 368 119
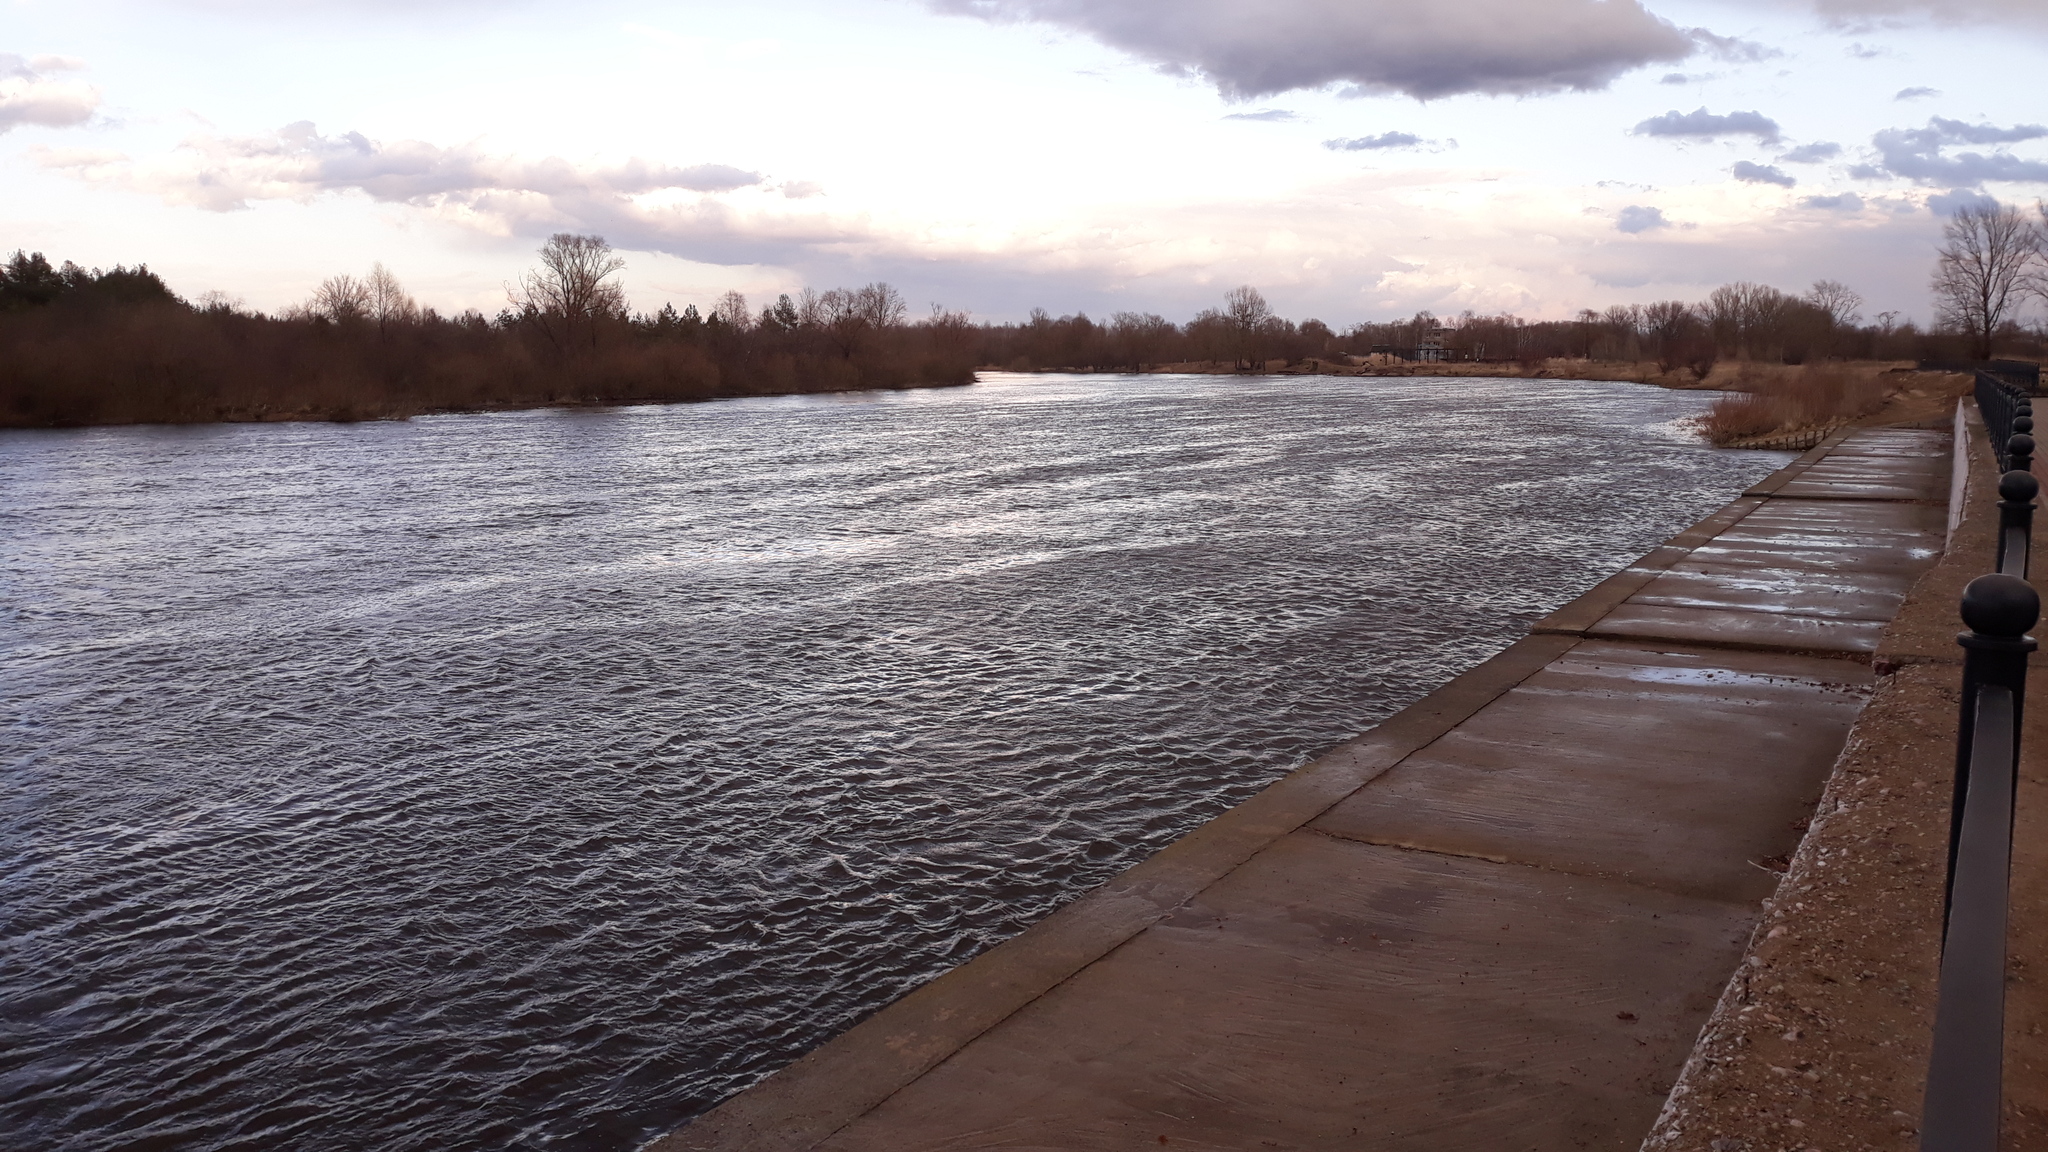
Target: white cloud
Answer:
pixel 29 96
pixel 1424 50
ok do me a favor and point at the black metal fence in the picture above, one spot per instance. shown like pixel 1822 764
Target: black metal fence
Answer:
pixel 1967 1064
pixel 2001 401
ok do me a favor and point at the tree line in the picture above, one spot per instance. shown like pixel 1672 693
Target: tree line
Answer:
pixel 81 346
pixel 1991 260
pixel 1739 321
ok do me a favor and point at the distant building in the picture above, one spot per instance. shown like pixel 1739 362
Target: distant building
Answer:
pixel 1433 347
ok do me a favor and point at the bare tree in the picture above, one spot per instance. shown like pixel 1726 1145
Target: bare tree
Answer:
pixel 1842 303
pixel 572 288
pixel 1247 312
pixel 1981 270
pixel 1749 318
pixel 1140 338
pixel 881 306
pixel 837 313
pixel 2037 278
pixel 732 310
pixel 388 302
pixel 342 299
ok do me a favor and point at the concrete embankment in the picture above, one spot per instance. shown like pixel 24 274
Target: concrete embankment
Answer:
pixel 1498 920
pixel 1821 1038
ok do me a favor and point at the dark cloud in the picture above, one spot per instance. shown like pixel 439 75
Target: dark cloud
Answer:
pixel 1445 48
pixel 1840 202
pixel 1920 154
pixel 1814 153
pixel 28 95
pixel 1374 143
pixel 1675 78
pixel 1916 93
pixel 1635 218
pixel 1701 124
pixel 1263 115
pixel 1750 173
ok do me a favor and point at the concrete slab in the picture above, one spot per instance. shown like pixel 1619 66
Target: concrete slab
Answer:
pixel 1894 442
pixel 1715 627
pixel 1794 575
pixel 1331 994
pixel 1675 770
pixel 1841 595
pixel 1850 486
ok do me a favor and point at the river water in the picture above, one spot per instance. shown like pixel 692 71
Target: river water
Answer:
pixel 536 780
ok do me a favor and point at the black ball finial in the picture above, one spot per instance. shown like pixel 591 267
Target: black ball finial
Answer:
pixel 2000 605
pixel 2021 445
pixel 2018 487
pixel 2023 424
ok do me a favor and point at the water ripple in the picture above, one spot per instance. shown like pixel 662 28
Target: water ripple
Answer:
pixel 538 779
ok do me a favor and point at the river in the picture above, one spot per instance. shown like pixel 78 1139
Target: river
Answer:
pixel 538 779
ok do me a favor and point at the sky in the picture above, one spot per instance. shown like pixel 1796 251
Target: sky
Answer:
pixel 1353 159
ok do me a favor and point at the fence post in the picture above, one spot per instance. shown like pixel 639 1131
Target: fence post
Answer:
pixel 2016 492
pixel 1966 1064
pixel 1999 608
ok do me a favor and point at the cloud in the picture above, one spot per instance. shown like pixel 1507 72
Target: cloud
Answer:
pixel 29 96
pixel 223 173
pixel 1704 125
pixel 1375 143
pixel 1955 199
pixel 1860 13
pixel 1750 173
pixel 1635 218
pixel 1732 48
pixel 1445 48
pixel 1918 154
pixel 1845 202
pixel 1814 153
pixel 1916 93
pixel 1264 115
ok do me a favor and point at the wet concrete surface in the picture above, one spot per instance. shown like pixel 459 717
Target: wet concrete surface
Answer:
pixel 1499 924
pixel 1821 1039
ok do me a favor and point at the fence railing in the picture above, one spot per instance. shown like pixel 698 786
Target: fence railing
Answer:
pixel 1966 1066
pixel 2004 405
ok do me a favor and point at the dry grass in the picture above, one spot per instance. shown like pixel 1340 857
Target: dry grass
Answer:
pixel 1769 400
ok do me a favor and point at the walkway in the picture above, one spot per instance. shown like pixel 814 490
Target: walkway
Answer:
pixel 1497 921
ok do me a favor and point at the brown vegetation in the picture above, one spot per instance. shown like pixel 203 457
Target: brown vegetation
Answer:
pixel 1765 399
pixel 90 347
pixel 1741 321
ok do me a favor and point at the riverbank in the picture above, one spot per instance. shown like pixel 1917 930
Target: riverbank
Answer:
pixel 1499 917
pixel 1822 1036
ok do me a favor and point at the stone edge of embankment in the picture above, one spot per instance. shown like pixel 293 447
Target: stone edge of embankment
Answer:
pixel 1820 1038
pixel 806 1102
